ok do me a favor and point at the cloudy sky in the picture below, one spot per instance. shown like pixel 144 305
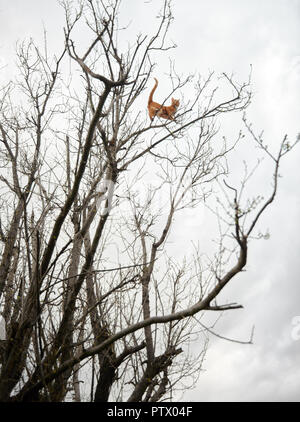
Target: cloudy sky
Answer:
pixel 228 36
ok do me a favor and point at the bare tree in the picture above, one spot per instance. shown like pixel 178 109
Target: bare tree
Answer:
pixel 88 286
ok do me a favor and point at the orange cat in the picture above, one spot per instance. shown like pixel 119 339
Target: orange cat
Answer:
pixel 155 109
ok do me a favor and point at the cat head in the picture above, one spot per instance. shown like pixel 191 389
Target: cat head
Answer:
pixel 175 103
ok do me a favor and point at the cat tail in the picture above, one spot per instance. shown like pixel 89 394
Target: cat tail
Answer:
pixel 152 92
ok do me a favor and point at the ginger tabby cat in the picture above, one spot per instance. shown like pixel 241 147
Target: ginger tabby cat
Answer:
pixel 155 109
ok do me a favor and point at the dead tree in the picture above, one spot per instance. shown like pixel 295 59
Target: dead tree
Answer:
pixel 86 285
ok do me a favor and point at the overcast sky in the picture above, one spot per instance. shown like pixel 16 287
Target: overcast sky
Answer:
pixel 229 36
